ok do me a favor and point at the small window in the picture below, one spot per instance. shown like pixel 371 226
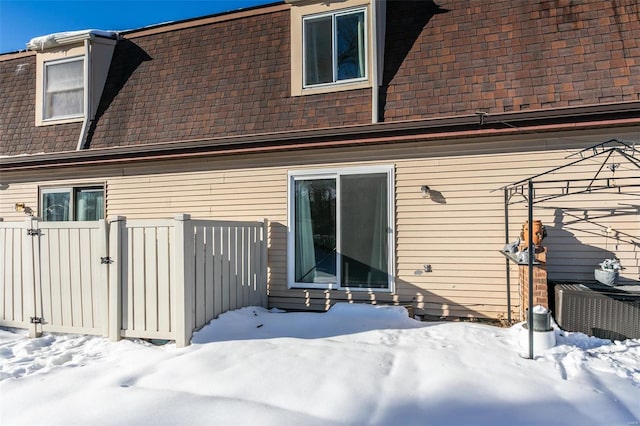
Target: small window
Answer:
pixel 72 204
pixel 63 89
pixel 335 48
pixel 341 229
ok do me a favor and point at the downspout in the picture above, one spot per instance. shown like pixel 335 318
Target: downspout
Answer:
pixel 378 20
pixel 87 92
pixel 375 95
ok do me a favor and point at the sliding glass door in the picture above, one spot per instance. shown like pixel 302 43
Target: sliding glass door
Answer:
pixel 341 229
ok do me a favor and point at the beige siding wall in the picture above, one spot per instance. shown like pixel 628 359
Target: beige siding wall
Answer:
pixel 459 231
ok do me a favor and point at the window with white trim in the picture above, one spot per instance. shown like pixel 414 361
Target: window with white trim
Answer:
pixel 341 229
pixel 63 89
pixel 72 204
pixel 334 48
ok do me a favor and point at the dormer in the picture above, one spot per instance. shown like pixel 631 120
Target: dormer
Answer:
pixel 71 70
pixel 336 45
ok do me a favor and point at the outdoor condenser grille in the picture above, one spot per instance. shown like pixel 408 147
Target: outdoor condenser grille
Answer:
pixel 605 312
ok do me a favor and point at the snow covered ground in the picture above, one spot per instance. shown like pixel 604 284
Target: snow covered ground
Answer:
pixel 356 364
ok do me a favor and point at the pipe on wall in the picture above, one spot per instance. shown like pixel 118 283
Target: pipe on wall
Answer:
pixel 87 94
pixel 378 21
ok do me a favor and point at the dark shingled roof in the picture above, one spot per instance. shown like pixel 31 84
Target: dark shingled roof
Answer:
pixel 232 76
pixel 18 132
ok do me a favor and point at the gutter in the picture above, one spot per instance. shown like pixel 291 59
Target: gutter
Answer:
pixel 432 130
pixel 142 155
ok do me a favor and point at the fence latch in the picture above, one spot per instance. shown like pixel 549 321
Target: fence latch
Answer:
pixel 37 320
pixel 33 232
pixel 106 260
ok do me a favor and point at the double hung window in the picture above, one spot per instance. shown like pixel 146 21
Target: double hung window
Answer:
pixel 335 47
pixel 63 89
pixel 341 229
pixel 72 204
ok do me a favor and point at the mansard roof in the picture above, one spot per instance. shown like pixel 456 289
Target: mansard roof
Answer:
pixel 229 75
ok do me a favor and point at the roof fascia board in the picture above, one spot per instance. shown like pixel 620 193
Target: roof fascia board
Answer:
pixel 253 149
pixel 196 22
pixel 16 55
pixel 440 128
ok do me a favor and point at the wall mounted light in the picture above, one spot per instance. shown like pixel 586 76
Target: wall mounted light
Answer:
pixel 426 191
pixel 22 207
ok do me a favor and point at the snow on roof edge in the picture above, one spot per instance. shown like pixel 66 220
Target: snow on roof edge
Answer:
pixel 66 37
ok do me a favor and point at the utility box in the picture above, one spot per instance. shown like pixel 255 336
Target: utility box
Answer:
pixel 600 311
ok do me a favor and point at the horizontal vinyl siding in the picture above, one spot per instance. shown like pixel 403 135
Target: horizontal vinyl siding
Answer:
pixel 17 193
pixel 459 232
pixel 459 236
pixel 237 195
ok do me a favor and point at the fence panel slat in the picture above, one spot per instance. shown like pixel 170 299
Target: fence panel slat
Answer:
pixel 233 268
pixel 75 272
pixel 66 293
pixel 127 277
pixel 217 271
pixel 138 285
pixel 208 268
pixel 164 281
pixel 226 300
pixel 9 300
pixel 87 278
pixel 200 298
pixel 245 266
pixel 151 278
pixel 50 240
pixel 18 284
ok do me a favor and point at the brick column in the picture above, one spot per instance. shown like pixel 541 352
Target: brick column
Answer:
pixel 540 293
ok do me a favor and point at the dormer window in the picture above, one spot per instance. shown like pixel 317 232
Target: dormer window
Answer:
pixel 331 46
pixel 335 47
pixel 71 71
pixel 63 89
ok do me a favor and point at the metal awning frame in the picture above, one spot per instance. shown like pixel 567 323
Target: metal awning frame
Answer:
pixel 523 191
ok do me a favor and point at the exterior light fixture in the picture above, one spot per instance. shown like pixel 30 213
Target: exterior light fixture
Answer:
pixel 22 207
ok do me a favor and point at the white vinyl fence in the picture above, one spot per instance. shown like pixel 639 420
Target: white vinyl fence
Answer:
pixel 159 279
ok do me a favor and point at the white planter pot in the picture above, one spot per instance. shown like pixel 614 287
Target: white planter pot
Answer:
pixel 606 276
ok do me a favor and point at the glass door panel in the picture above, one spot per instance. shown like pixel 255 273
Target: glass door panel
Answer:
pixel 364 230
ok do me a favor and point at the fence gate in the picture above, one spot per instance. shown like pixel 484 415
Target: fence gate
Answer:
pixel 71 287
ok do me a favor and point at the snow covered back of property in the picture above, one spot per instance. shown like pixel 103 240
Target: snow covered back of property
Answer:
pixel 57 39
pixel 353 365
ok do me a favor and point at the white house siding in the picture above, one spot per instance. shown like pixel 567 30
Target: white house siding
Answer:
pixel 459 234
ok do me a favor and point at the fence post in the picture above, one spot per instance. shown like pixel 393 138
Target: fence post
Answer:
pixel 103 278
pixel 184 279
pixel 32 273
pixel 116 228
pixel 263 267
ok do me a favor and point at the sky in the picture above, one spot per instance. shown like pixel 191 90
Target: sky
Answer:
pixel 353 365
pixel 22 20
